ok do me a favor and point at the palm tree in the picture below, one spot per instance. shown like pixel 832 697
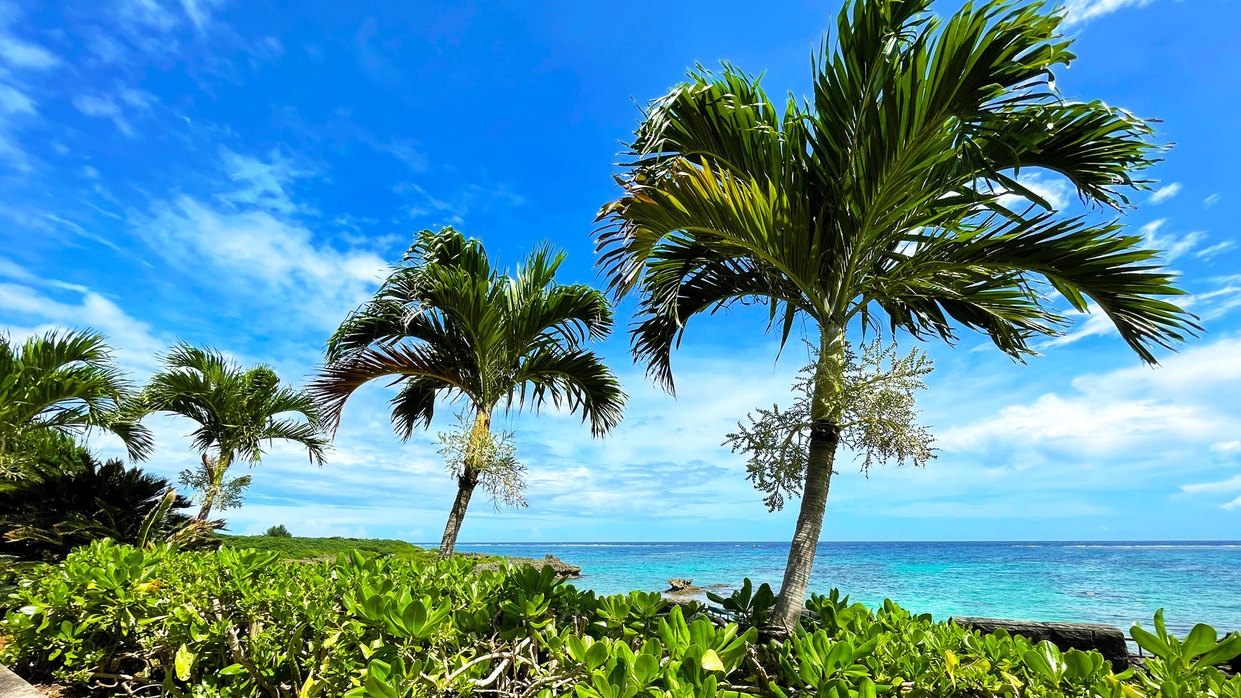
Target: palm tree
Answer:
pixel 446 323
pixel 887 196
pixel 236 409
pixel 64 383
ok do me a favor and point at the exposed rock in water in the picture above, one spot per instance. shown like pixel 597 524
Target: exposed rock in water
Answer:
pixel 1107 639
pixel 562 569
pixel 677 584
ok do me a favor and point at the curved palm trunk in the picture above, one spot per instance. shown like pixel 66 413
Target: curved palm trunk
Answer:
pixel 215 470
pixel 824 438
pixel 466 482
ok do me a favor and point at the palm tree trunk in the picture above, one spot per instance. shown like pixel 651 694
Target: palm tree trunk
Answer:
pixel 824 439
pixel 215 479
pixel 466 482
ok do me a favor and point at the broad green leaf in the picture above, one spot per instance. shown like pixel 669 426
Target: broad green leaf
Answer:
pixel 711 661
pixel 184 661
pixel 1200 640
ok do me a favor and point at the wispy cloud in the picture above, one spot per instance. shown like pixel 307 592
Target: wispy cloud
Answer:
pixel 1209 252
pixel 1082 11
pixel 15 51
pixel 134 341
pixel 1172 245
pixel 255 247
pixel 1164 193
pixel 1210 201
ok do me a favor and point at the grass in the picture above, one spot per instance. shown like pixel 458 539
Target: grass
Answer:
pixel 299 548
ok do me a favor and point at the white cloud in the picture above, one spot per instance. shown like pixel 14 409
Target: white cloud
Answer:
pixel 1164 193
pixel 134 342
pixel 199 12
pixel 1209 252
pixel 15 102
pixel 1135 410
pixel 1232 484
pixel 16 52
pixel 148 13
pixel 256 252
pixel 1227 447
pixel 254 249
pixel 1056 191
pixel 103 108
pixel 1097 324
pixel 264 183
pixel 1173 246
pixel 1234 504
pixel 1210 201
pixel 1082 11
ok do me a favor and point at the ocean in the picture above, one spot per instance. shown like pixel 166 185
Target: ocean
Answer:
pixel 1107 582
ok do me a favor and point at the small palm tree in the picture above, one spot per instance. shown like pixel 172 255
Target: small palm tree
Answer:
pixel 887 199
pixel 237 410
pixel 67 383
pixel 447 323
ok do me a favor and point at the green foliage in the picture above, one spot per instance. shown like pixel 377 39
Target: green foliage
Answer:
pixel 278 531
pixel 235 622
pixel 300 548
pixel 68 498
pixel 239 412
pixel 448 323
pixel 747 606
pixel 62 384
pixel 1187 667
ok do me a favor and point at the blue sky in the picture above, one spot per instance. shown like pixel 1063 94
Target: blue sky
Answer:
pixel 239 174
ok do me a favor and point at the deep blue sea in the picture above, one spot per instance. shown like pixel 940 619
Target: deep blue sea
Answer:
pixel 1113 583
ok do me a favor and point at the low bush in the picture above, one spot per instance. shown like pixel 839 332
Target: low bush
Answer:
pixel 234 623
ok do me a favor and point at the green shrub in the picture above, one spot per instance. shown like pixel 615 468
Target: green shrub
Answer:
pixel 234 623
pixel 68 498
pixel 278 531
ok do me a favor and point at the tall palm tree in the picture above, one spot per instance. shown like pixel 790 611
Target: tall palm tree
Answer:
pixel 236 409
pixel 446 323
pixel 66 383
pixel 886 197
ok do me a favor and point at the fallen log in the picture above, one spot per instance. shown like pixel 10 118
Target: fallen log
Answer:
pixel 1107 639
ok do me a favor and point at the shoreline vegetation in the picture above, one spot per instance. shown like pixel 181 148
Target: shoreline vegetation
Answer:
pixel 382 621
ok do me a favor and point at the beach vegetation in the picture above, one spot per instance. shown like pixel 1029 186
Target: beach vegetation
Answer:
pixel 121 620
pixel 62 383
pixel 239 413
pixel 67 498
pixel 889 203
pixel 448 323
pixel 278 531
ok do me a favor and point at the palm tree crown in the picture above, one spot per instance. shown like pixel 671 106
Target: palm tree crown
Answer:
pixel 64 382
pixel 447 323
pixel 887 195
pixel 238 410
pixel 887 199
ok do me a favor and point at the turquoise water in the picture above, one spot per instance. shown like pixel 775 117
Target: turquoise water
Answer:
pixel 1113 583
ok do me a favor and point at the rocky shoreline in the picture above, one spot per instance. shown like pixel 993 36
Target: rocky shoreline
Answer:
pixel 562 569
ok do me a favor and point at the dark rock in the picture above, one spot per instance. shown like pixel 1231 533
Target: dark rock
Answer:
pixel 562 569
pixel 1107 639
pixel 676 585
